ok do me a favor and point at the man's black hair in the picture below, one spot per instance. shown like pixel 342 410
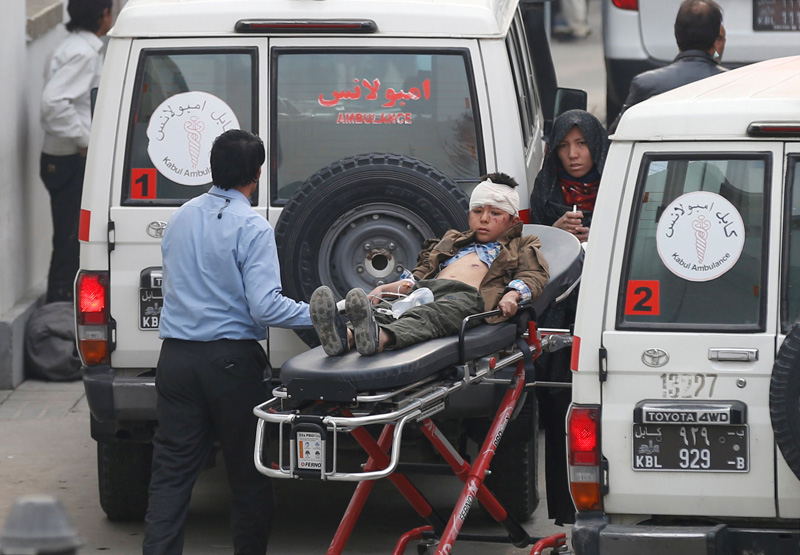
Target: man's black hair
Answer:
pixel 236 157
pixel 86 14
pixel 499 177
pixel 697 25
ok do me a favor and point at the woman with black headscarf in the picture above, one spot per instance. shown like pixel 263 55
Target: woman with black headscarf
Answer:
pixel 566 188
pixel 563 196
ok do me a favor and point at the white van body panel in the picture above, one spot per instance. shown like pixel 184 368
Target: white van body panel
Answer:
pixel 443 18
pixel 630 381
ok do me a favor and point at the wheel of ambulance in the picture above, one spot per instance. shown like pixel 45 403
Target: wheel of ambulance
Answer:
pixel 123 471
pixel 784 399
pixel 361 221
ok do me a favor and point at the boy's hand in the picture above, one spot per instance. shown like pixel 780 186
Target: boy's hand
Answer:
pixel 509 303
pixel 388 290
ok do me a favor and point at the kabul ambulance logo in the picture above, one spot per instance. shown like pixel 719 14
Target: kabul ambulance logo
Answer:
pixel 700 236
pixel 180 134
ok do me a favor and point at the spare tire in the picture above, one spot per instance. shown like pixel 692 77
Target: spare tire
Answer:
pixel 784 399
pixel 361 221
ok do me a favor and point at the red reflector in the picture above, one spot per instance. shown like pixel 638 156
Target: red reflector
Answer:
pixel 91 295
pixel 583 445
pixel 83 225
pixel 583 459
pixel 525 216
pixel 626 4
pixel 576 353
pixel 774 129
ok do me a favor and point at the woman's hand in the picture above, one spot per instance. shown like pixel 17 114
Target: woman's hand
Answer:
pixel 572 222
pixel 509 303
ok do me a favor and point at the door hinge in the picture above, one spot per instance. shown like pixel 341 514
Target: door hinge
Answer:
pixel 111 236
pixel 603 370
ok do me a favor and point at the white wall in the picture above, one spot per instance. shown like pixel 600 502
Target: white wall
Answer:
pixel 25 223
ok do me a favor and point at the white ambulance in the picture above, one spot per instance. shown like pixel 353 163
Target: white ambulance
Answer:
pixel 378 118
pixel 684 428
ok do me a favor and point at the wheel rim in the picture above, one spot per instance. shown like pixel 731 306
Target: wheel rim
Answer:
pixel 371 245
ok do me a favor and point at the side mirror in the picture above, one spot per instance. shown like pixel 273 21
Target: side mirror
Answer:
pixel 570 99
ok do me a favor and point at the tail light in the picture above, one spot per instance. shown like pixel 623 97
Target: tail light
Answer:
pixel 626 4
pixel 584 457
pixel 92 317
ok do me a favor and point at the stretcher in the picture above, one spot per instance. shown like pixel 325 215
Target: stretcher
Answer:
pixel 322 401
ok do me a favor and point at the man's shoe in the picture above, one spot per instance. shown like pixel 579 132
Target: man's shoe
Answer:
pixel 327 321
pixel 365 328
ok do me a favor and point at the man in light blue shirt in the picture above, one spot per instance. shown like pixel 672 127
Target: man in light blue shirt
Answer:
pixel 222 290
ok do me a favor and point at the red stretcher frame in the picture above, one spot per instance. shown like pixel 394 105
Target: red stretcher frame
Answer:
pixel 471 475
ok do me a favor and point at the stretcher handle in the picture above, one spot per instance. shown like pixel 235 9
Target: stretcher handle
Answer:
pixel 480 316
pixel 525 312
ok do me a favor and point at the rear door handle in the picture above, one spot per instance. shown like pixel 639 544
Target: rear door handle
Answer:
pixel 733 355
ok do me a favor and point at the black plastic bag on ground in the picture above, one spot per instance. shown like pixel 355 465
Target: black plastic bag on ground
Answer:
pixel 50 351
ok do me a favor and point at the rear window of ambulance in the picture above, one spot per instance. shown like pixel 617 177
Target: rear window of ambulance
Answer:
pixel 184 99
pixel 339 103
pixel 696 257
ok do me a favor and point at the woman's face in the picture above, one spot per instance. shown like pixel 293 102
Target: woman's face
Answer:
pixel 574 153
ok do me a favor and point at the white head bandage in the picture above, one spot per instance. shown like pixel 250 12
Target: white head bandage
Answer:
pixel 501 196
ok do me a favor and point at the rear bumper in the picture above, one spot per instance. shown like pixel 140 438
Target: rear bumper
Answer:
pixel 115 398
pixel 593 535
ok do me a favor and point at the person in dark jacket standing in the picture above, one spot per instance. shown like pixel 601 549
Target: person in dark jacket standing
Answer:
pixel 700 35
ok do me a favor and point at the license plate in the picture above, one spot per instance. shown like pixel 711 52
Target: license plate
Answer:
pixel 150 303
pixel 769 15
pixel 691 448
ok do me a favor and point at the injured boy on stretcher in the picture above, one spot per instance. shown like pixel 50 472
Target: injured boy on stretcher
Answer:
pixel 490 266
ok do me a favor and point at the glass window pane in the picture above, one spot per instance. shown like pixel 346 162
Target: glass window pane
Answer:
pixel 335 104
pixel 183 101
pixel 696 254
pixel 791 311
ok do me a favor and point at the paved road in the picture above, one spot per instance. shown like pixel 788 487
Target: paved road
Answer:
pixel 46 448
pixel 45 445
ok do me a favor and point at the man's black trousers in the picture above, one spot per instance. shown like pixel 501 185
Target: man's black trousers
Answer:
pixel 206 392
pixel 63 178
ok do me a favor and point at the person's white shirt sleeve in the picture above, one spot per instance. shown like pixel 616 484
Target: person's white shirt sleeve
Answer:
pixel 66 93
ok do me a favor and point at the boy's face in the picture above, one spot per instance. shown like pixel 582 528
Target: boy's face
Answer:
pixel 490 222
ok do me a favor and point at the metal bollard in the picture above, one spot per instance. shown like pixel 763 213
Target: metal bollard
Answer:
pixel 38 525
